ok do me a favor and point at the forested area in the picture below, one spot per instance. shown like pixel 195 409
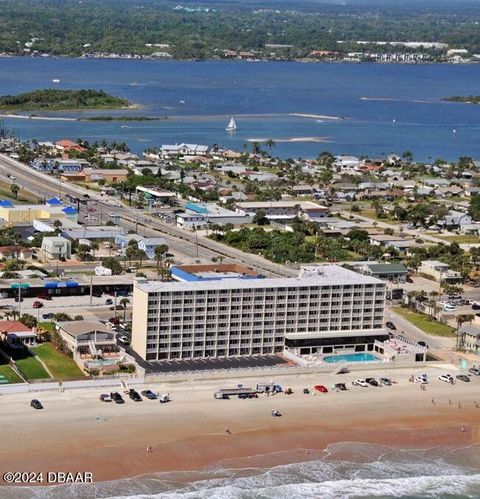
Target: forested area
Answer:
pixel 56 99
pixel 69 27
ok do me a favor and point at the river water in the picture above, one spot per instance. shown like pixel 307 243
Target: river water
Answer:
pixel 358 109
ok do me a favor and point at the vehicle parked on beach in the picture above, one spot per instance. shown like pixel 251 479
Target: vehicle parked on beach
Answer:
pixel 340 386
pixel 36 404
pixel 164 398
pixel 360 382
pixel 447 378
pixel 386 381
pixel 134 395
pixel 37 304
pixel 423 379
pixel 105 397
pixel 463 377
pixel 269 388
pixel 117 398
pixel 372 381
pixel 321 388
pixel 474 370
pixel 149 394
pixel 275 413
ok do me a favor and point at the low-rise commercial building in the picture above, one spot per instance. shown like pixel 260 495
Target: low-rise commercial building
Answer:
pixel 325 309
pixel 198 215
pixel 283 210
pixel 56 248
pixel 440 271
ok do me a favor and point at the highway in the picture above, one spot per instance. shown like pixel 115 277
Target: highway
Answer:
pixel 181 242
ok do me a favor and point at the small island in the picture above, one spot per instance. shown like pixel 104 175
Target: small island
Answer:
pixel 123 118
pixel 468 99
pixel 62 100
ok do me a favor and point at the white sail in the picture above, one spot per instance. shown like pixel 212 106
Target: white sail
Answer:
pixel 232 126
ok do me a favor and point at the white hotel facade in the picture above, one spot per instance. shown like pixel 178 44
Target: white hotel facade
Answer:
pixel 322 311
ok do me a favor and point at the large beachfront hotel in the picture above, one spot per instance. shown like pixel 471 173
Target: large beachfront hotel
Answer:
pixel 227 310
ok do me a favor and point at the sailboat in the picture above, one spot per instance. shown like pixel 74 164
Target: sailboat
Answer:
pixel 232 126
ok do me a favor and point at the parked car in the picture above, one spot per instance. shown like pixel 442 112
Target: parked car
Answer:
pixel 105 397
pixel 108 301
pixel 475 305
pixel 36 404
pixel 149 394
pixel 134 395
pixel 386 381
pixel 423 379
pixel 447 378
pixel 340 386
pixel 117 398
pixel 124 340
pixel 118 307
pixel 18 298
pixel 372 381
pixel 114 320
pixel 37 304
pixel 422 344
pixel 321 388
pixel 474 370
pixel 360 382
pixel 165 397
pixel 463 377
pixel 391 325
pixel 47 316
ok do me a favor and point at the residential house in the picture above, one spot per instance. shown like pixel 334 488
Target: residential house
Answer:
pixel 56 248
pixel 389 271
pixel 17 335
pixel 469 334
pixel 455 219
pixel 92 343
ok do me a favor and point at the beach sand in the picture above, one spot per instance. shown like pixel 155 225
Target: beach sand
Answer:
pixel 78 433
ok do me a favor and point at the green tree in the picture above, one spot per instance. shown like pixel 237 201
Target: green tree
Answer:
pixel 15 188
pixel 124 302
pixel 159 253
pixel 260 218
pixel 113 264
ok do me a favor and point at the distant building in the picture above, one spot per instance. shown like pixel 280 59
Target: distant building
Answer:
pixel 197 215
pixel 470 337
pixel 169 151
pixel 55 248
pixel 440 271
pixel 283 210
pixel 17 335
pixel 13 213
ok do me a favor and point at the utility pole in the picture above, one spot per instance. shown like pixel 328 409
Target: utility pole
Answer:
pixel 91 290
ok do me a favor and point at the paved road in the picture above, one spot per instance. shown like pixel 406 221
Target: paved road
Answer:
pixel 412 332
pixel 45 185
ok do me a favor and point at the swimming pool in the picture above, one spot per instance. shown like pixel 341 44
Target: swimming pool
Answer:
pixel 351 357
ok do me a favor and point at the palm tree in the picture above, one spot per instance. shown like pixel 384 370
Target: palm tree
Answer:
pixel 270 143
pixel 124 302
pixel 14 188
pixel 255 148
pixel 159 252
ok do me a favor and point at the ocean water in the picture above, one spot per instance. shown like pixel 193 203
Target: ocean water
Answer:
pixel 384 108
pixel 344 470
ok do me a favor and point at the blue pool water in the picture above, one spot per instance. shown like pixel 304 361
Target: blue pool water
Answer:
pixel 350 357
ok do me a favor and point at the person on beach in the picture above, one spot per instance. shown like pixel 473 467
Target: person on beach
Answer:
pixel 433 401
pixel 463 429
pixel 149 449
pixel 227 431
pixel 459 405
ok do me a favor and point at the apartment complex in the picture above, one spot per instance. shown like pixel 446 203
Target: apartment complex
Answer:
pixel 325 309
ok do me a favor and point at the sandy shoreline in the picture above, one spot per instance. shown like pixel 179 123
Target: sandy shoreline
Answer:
pixel 78 433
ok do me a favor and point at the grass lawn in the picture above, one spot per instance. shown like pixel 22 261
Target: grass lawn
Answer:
pixel 461 239
pixel 60 365
pixel 426 323
pixel 29 365
pixel 7 373
pixel 47 326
